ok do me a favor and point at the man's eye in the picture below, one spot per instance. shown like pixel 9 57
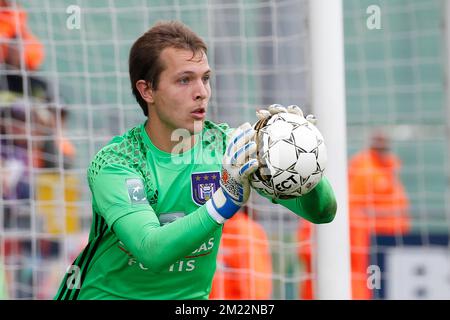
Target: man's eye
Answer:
pixel 206 78
pixel 184 80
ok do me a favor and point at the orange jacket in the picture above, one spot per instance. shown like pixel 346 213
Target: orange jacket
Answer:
pixel 13 25
pixel 376 195
pixel 359 247
pixel 378 205
pixel 245 255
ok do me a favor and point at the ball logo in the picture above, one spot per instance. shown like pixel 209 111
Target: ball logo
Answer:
pixel 286 184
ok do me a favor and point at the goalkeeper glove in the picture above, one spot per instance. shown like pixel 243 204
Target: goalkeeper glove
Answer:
pixel 278 108
pixel 238 163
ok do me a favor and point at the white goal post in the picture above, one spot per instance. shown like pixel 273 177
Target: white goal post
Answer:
pixel 332 261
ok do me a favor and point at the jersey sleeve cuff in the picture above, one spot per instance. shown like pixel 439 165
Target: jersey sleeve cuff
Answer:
pixel 213 212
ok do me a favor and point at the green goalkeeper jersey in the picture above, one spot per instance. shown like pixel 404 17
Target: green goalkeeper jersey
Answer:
pixel 133 181
pixel 151 235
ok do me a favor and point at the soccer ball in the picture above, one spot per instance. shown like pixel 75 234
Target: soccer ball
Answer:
pixel 292 156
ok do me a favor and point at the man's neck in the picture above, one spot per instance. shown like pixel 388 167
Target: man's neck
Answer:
pixel 165 139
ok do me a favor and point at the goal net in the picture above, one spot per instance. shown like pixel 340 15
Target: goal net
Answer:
pixel 259 53
pixel 395 84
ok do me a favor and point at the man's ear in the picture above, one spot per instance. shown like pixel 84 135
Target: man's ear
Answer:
pixel 145 90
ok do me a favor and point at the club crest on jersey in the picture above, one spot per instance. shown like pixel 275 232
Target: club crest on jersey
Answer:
pixel 136 191
pixel 204 184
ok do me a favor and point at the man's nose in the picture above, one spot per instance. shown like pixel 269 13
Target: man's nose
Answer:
pixel 201 90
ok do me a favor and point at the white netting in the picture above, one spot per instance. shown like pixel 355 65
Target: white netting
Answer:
pixel 259 53
pixel 395 84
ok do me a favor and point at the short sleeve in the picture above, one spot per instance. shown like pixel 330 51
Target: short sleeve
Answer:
pixel 118 191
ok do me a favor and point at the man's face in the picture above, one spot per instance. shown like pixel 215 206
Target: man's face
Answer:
pixel 380 144
pixel 182 95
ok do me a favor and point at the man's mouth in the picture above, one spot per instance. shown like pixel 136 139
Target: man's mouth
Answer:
pixel 199 113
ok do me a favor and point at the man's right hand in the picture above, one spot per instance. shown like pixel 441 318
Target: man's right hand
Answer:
pixel 238 163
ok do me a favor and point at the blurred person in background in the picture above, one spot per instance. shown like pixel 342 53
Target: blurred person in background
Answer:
pixel 19 48
pixel 20 53
pixel 30 115
pixel 59 144
pixel 378 206
pixel 17 124
pixel 245 261
pixel 56 158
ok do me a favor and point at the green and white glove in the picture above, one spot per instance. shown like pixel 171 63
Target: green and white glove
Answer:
pixel 239 162
pixel 277 108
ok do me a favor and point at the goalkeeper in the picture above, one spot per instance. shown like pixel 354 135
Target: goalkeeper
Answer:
pixel 159 204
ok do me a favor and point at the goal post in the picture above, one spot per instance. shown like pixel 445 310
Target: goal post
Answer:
pixel 332 261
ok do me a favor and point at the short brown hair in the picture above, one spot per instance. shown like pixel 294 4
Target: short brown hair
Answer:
pixel 144 60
